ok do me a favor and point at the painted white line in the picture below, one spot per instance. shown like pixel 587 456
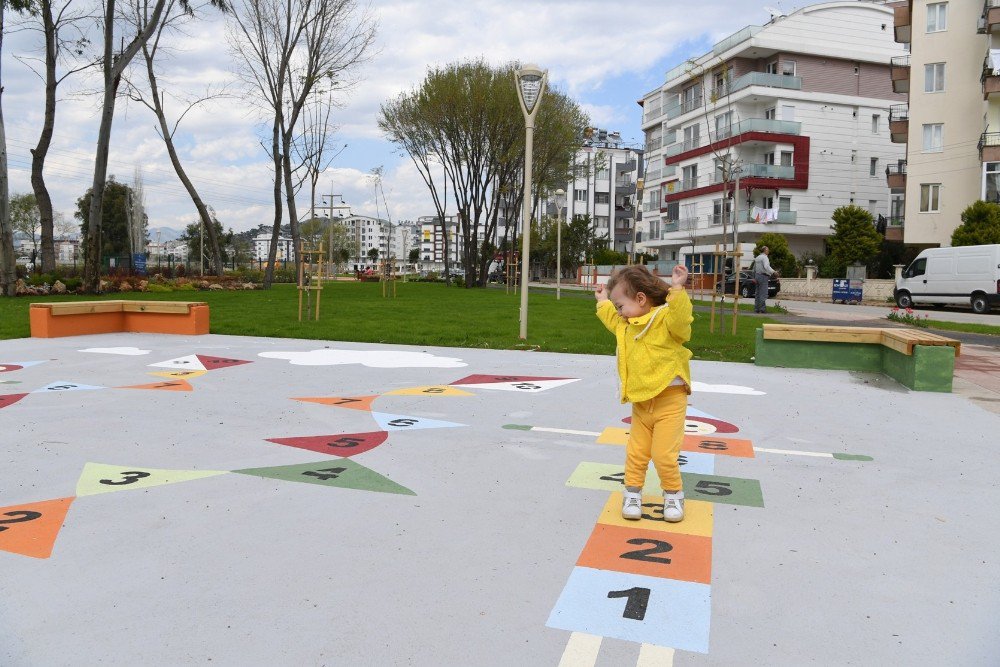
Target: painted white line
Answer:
pixel 789 451
pixel 655 656
pixel 565 431
pixel 581 650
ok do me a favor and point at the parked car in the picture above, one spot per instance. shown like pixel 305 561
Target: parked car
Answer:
pixel 748 286
pixel 952 276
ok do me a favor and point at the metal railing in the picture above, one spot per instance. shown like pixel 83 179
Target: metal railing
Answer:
pixel 899 112
pixel 742 35
pixel 652 114
pixel 785 81
pixel 897 168
pixel 686 105
pixel 900 61
pixel 653 174
pixel 654 144
pixel 767 171
pixel 896 221
pixel 988 139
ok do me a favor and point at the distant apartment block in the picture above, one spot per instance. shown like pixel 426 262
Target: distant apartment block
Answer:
pixel 797 109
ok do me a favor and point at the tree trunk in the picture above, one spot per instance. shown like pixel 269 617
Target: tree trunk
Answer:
pixel 40 151
pixel 8 272
pixel 272 249
pixel 168 139
pixel 293 214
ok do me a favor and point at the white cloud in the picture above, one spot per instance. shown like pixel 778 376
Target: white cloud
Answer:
pixel 371 359
pixel 585 44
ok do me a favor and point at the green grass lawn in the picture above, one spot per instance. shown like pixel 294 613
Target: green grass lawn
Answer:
pixel 967 327
pixel 421 314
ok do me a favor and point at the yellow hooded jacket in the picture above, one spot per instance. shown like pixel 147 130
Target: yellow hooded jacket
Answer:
pixel 651 350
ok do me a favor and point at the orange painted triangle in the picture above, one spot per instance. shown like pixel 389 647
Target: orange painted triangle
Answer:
pixel 31 529
pixel 353 402
pixel 170 385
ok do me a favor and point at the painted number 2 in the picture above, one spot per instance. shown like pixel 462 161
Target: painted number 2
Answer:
pixel 636 601
pixel 659 547
pixel 20 516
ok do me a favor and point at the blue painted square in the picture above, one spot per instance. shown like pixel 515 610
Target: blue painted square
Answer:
pixel 697 462
pixel 678 613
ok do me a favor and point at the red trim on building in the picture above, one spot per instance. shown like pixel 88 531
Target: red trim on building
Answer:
pixel 800 160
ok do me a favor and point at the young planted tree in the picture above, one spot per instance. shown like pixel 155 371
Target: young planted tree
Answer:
pixel 854 237
pixel 115 239
pixel 287 50
pixel 26 220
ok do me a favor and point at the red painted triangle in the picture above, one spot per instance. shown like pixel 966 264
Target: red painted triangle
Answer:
pixel 338 444
pixel 352 402
pixel 211 363
pixel 485 379
pixel 31 529
pixel 171 385
pixel 10 399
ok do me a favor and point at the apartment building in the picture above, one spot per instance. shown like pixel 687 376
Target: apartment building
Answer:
pixel 606 173
pixel 950 125
pixel 367 233
pixel 772 130
pixel 432 239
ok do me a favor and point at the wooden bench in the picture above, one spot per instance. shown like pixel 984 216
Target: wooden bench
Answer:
pixel 920 360
pixel 77 318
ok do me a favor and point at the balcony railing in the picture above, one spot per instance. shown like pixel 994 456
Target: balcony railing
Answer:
pixel 784 217
pixel 896 169
pixel 898 112
pixel 785 81
pixel 767 171
pixel 654 144
pixel 900 61
pixel 989 146
pixel 685 105
pixel 652 114
pixel 739 36
pixel 653 174
pixel 896 221
pixel 759 125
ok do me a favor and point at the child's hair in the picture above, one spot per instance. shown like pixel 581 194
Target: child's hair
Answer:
pixel 637 278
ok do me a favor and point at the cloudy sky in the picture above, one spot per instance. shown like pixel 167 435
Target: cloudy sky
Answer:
pixel 602 55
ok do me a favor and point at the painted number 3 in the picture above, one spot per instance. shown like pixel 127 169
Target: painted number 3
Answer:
pixel 130 477
pixel 19 517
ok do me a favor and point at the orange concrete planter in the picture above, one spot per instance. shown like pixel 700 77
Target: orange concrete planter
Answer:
pixel 78 318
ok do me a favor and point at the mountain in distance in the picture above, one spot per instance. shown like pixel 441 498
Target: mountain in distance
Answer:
pixel 165 234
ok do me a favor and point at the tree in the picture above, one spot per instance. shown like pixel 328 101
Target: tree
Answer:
pixel 285 49
pixel 780 256
pixel 464 120
pixel 26 219
pixel 174 13
pixel 193 237
pixel 854 237
pixel 980 225
pixel 373 255
pixel 114 240
pixel 53 20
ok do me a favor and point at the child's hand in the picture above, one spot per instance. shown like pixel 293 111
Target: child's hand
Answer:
pixel 679 276
pixel 601 293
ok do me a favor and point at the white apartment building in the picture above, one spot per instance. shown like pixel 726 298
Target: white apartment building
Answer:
pixel 367 233
pixel 950 125
pixel 261 246
pixel 606 173
pixel 798 109
pixel 432 242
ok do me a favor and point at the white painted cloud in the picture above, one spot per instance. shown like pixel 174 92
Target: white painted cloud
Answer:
pixel 725 389
pixel 371 359
pixel 127 351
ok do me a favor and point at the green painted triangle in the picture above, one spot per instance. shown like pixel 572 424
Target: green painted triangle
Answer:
pixel 339 472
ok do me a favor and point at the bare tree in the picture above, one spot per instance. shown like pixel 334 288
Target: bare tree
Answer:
pixel 63 28
pixel 285 49
pixel 312 148
pixel 174 14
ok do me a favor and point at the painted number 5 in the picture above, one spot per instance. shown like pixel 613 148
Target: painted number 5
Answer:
pixel 713 488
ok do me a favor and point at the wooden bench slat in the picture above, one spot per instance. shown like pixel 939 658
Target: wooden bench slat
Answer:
pixel 158 306
pixel 901 340
pixel 80 307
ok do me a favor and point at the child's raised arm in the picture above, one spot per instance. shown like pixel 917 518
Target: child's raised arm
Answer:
pixel 601 293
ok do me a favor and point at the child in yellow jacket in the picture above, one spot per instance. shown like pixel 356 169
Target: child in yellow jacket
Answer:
pixel 651 323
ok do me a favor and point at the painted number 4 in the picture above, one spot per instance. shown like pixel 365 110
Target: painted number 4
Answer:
pixel 636 600
pixel 325 473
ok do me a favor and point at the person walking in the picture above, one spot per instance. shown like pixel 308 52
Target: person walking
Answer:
pixel 762 272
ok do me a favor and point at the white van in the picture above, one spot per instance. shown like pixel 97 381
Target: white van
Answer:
pixel 963 275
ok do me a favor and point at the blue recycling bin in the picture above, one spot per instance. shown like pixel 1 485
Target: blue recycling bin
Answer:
pixel 847 291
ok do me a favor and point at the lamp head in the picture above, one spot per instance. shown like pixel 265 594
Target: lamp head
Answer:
pixel 560 192
pixel 530 82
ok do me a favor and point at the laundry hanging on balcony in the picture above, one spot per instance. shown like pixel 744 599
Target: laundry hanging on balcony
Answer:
pixel 765 215
pixel 995 61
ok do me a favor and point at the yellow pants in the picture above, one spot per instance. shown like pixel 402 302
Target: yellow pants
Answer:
pixel 657 433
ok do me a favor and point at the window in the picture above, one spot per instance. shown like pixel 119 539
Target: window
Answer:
pixel 875 123
pixel 673 210
pixel 601 221
pixel 602 173
pixel 937 17
pixel 934 138
pixel 689 175
pixel 933 77
pixel 723 125
pixel 769 158
pixel 991 185
pixel 930 197
pixel 788 68
pixel 602 198
pixel 918 268
pixel 872 206
pixel 784 203
pixel 786 158
pixel 772 68
pixel 580 195
pixel 722 211
pixel 770 114
pixel 767 202
pixel 692 138
pixel 873 167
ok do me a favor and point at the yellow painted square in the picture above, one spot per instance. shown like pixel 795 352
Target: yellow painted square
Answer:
pixel 698 516
pixel 613 435
pixel 431 390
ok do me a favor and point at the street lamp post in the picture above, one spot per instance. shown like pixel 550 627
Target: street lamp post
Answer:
pixel 561 194
pixel 530 81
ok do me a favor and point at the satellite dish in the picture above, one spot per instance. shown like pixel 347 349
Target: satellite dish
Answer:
pixel 774 12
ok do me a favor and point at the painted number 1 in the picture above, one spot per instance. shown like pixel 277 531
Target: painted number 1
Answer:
pixel 635 604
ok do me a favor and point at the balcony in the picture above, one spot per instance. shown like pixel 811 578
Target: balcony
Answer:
pixel 894 229
pixel 895 175
pixel 688 104
pixel 739 36
pixel 767 171
pixel 624 167
pixel 757 125
pixel 784 217
pixel 624 186
pixel 990 78
pixel 654 144
pixel 652 114
pixel 902 22
pixel 990 20
pixel 899 73
pixel 899 123
pixel 989 147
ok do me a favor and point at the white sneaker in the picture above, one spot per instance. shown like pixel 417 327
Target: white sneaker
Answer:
pixel 632 506
pixel 673 507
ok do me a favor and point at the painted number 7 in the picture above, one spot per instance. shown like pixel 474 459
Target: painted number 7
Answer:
pixel 636 601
